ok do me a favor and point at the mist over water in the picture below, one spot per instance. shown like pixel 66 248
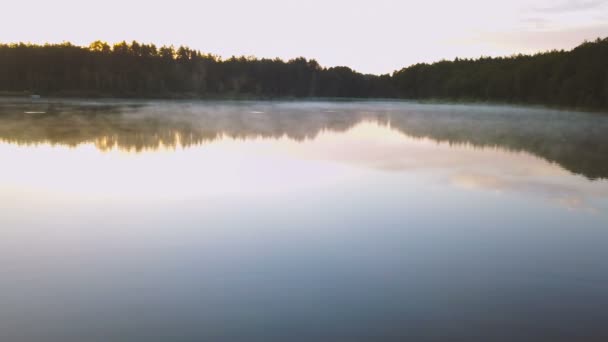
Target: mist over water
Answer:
pixel 576 141
pixel 256 221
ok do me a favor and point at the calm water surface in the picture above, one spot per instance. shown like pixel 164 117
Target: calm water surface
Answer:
pixel 258 221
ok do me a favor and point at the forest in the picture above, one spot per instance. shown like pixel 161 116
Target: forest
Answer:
pixel 577 78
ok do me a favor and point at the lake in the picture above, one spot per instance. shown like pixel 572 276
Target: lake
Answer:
pixel 301 221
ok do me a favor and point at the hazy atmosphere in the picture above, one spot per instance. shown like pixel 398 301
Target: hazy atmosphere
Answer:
pixel 303 171
pixel 369 36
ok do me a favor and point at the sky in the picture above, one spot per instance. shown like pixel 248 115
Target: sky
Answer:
pixel 378 36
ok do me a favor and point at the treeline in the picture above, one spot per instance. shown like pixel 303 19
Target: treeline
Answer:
pixel 143 70
pixel 576 78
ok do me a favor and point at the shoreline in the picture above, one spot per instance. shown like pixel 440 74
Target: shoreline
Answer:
pixel 21 97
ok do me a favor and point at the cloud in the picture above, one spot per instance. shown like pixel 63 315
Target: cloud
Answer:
pixel 571 5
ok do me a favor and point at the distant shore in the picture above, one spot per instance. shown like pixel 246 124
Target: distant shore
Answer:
pixel 576 79
pixel 75 96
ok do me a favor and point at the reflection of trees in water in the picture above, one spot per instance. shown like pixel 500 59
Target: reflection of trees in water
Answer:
pixel 578 142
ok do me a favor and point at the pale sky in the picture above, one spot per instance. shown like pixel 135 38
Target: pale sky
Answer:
pixel 377 36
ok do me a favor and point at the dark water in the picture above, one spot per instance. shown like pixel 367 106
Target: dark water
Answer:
pixel 301 221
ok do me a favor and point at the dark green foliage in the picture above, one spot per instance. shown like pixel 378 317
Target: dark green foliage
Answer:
pixel 577 78
pixel 142 70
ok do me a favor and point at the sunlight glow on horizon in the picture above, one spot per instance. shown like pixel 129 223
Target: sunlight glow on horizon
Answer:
pixel 371 37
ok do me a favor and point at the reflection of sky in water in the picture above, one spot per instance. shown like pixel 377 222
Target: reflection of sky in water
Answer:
pixel 363 232
pixel 264 166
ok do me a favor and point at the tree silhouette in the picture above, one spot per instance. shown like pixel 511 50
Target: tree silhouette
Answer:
pixel 577 78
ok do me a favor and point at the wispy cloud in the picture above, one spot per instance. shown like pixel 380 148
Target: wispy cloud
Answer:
pixel 571 5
